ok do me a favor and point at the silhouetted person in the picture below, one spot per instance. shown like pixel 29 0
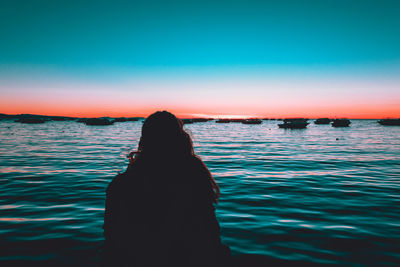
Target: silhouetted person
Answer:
pixel 160 211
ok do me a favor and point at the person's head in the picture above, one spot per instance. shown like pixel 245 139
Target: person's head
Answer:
pixel 164 139
pixel 163 134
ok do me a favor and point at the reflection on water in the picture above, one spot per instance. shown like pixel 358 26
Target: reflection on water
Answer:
pixel 323 194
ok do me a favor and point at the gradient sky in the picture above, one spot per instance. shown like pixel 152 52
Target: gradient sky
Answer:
pixel 282 58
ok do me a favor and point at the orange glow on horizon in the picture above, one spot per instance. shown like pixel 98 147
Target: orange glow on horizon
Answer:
pixel 71 110
pixel 358 99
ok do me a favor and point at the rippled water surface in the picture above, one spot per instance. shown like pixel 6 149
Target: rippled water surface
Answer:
pixel 321 194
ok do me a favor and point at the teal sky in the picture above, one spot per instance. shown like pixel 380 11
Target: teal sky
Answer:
pixel 199 33
pixel 108 41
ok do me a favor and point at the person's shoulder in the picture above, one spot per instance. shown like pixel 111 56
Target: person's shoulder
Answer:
pixel 197 161
pixel 199 167
pixel 117 182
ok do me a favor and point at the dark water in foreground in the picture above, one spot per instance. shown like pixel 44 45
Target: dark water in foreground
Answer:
pixel 287 194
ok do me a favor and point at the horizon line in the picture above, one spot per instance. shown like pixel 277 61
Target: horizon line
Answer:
pixel 212 116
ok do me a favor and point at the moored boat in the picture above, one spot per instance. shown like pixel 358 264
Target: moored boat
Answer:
pixel 82 120
pixel 201 119
pixel 187 121
pixel 293 124
pixel 132 119
pixel 237 120
pixel 56 118
pixel 322 121
pixel 122 119
pixel 223 121
pixel 98 121
pixel 252 121
pixel 31 120
pixel 341 123
pixel 389 122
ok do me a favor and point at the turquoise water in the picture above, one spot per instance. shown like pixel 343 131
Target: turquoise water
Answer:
pixel 321 194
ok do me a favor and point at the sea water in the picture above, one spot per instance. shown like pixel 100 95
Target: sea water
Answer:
pixel 321 194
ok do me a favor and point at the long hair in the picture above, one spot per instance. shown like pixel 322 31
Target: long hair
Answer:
pixel 164 138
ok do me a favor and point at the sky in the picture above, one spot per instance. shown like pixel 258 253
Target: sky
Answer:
pixel 320 58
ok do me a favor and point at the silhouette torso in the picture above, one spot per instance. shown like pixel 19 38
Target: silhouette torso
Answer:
pixel 161 213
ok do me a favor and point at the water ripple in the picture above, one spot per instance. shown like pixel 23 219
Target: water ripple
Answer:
pixel 323 194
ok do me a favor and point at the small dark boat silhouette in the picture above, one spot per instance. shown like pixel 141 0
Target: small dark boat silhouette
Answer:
pixel 322 121
pixel 122 119
pixel 187 121
pixel 237 120
pixel 83 120
pixel 341 123
pixel 98 121
pixel 223 121
pixel 200 120
pixel 132 119
pixel 30 120
pixel 390 122
pixel 195 120
pixel 58 118
pixel 252 121
pixel 293 124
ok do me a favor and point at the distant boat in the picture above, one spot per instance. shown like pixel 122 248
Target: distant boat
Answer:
pixel 341 123
pixel 252 121
pixel 223 121
pixel 82 120
pixel 132 119
pixel 55 118
pixel 390 122
pixel 187 121
pixel 122 119
pixel 31 120
pixel 293 124
pixel 322 121
pixel 200 119
pixel 237 120
pixel 98 121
